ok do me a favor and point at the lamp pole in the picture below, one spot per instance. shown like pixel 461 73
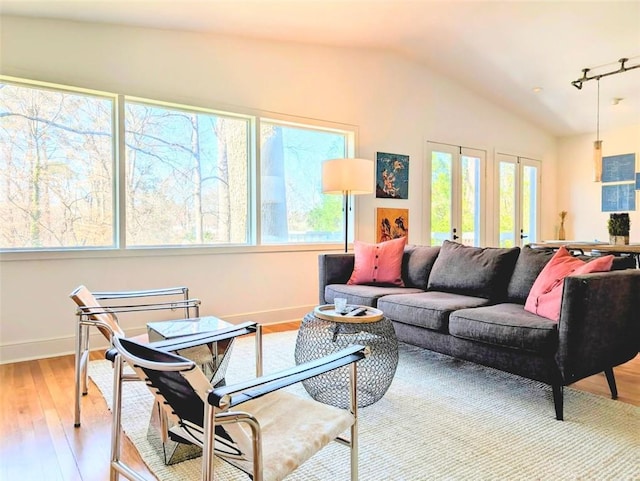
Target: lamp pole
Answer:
pixel 346 219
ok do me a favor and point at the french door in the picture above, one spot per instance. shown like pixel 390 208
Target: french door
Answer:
pixel 518 200
pixel 455 183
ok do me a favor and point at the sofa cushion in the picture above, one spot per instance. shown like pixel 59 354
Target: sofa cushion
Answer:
pixel 428 309
pixel 363 295
pixel 529 264
pixel 505 325
pixel 378 264
pixel 473 271
pixel 545 297
pixel 417 263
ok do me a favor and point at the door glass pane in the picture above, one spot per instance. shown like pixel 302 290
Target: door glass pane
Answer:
pixel 529 202
pixel 507 204
pixel 470 201
pixel 441 196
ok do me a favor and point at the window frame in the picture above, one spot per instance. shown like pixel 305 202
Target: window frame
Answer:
pixel 519 162
pixel 289 121
pixel 119 247
pixel 457 152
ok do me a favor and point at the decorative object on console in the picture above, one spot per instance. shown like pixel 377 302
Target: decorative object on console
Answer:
pixel 618 226
pixel 392 176
pixel 597 145
pixel 378 264
pixel 392 223
pixel 561 233
pixel 545 296
pixel 347 177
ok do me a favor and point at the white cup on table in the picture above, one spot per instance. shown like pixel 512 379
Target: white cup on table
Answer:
pixel 340 304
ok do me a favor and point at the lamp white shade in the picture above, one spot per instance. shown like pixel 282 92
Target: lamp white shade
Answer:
pixel 354 176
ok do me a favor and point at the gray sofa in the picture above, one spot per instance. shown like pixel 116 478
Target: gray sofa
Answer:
pixel 468 303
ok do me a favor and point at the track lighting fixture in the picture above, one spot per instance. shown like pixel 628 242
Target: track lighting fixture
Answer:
pixel 597 145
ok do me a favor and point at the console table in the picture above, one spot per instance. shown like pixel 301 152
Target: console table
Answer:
pixel 630 249
pixel 212 358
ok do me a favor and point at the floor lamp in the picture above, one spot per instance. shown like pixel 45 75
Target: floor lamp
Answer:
pixel 347 177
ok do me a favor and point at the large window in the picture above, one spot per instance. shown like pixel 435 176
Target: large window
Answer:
pixel 169 175
pixel 57 164
pixel 293 208
pixel 186 177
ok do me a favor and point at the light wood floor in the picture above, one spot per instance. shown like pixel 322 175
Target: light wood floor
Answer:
pixel 39 441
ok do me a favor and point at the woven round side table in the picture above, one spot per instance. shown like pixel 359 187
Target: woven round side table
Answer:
pixel 324 331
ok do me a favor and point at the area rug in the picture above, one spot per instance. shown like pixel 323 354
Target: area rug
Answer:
pixel 442 419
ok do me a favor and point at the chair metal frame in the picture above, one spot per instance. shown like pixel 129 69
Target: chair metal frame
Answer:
pixel 94 316
pixel 218 401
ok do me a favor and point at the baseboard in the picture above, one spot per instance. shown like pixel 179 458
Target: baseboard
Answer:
pixel 61 346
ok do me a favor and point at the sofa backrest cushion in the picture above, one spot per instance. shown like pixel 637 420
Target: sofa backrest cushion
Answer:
pixel 528 266
pixel 417 263
pixel 473 271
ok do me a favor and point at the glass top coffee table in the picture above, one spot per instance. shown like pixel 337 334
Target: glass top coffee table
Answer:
pixel 324 331
pixel 212 358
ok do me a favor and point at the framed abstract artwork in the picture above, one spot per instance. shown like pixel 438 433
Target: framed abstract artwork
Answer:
pixel 619 168
pixel 392 176
pixel 392 223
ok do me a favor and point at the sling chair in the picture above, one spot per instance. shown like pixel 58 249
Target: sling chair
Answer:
pixel 265 432
pixel 91 313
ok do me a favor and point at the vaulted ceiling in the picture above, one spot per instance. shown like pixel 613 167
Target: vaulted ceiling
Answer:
pixel 521 55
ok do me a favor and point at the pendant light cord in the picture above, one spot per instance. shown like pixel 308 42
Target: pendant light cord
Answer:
pixel 598 113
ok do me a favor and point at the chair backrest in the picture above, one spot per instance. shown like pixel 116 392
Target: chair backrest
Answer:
pixel 181 388
pixel 85 299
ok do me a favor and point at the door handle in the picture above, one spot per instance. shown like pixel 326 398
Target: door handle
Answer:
pixel 522 236
pixel 454 236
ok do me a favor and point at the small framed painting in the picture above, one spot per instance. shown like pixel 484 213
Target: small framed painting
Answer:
pixel 392 223
pixel 392 176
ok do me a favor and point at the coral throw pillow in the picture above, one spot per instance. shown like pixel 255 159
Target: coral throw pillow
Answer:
pixel 546 294
pixel 378 264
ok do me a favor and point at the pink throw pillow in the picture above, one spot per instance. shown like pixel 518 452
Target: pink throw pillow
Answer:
pixel 379 264
pixel 545 297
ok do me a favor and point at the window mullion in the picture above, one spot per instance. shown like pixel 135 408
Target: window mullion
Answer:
pixel 255 237
pixel 120 179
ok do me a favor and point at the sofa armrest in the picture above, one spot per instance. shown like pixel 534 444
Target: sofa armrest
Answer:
pixel 599 324
pixel 333 269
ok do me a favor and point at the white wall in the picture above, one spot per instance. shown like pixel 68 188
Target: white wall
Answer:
pixel 579 195
pixel 397 104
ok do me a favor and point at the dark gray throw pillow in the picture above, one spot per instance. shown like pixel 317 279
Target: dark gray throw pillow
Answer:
pixel 417 263
pixel 528 266
pixel 473 271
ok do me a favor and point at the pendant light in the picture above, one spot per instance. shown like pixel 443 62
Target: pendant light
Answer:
pixel 597 145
